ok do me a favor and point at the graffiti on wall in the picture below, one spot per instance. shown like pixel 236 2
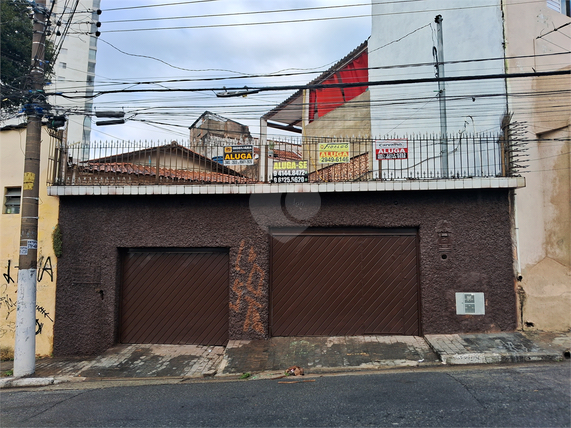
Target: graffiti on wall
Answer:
pixel 45 268
pixel 8 296
pixel 248 288
pixel 7 276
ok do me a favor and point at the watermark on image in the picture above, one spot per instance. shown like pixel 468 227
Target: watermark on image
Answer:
pixel 285 210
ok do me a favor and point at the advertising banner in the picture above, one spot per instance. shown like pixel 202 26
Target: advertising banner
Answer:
pixel 290 172
pixel 238 155
pixel 391 149
pixel 333 152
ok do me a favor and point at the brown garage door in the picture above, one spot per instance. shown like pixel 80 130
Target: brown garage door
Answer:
pixel 175 296
pixel 338 283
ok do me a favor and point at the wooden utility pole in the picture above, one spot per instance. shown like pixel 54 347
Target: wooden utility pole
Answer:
pixel 25 345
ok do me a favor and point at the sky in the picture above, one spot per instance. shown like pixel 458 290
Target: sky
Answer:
pixel 240 41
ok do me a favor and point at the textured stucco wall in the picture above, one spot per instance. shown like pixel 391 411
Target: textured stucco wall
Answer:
pixel 352 119
pixel 480 258
pixel 11 175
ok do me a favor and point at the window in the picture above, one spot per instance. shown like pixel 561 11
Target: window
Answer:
pixel 92 54
pixel 62 65
pixel 562 6
pixel 12 200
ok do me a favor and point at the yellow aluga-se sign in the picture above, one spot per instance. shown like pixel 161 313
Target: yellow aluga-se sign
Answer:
pixel 333 152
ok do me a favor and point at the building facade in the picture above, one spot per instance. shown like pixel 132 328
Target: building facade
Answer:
pixel 376 236
pixel 11 176
pixel 74 69
pixel 538 38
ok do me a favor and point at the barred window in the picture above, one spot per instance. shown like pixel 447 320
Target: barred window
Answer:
pixel 12 197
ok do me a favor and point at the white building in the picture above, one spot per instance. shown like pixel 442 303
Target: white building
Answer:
pixel 405 34
pixel 74 69
pixel 492 37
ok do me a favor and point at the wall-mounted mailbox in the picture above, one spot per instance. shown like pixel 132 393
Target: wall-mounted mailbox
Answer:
pixel 470 304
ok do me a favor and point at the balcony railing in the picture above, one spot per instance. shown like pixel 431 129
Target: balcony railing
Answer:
pixel 302 160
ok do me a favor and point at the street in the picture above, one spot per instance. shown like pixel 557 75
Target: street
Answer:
pixel 531 395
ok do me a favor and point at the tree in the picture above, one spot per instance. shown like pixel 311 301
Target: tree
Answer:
pixel 16 51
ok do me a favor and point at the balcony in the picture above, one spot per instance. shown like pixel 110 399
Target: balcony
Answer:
pixel 222 165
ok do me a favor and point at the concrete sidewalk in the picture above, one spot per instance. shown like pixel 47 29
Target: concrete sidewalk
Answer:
pixel 269 358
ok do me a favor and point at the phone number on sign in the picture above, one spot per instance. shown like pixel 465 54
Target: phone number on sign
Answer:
pixel 290 179
pixel 382 156
pixel 290 173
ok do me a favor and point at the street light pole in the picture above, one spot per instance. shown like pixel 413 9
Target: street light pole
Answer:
pixel 25 343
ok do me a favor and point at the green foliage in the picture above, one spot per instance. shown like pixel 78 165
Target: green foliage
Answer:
pixel 16 52
pixel 57 241
pixel 246 375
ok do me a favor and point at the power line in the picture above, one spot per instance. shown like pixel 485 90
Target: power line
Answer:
pixel 233 14
pixel 312 19
pixel 334 85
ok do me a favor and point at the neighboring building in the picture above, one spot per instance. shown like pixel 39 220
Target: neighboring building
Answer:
pixel 492 37
pixel 329 112
pixel 210 125
pixel 12 141
pixel 538 38
pixel 211 133
pixel 403 45
pixel 74 69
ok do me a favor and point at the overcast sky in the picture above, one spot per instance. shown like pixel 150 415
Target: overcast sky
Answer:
pixel 205 47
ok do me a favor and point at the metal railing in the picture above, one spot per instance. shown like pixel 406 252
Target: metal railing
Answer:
pixel 285 160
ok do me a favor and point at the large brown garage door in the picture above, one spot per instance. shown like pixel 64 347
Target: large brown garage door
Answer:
pixel 344 283
pixel 175 296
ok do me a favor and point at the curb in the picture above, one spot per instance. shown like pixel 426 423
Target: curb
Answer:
pixel 495 358
pixel 16 382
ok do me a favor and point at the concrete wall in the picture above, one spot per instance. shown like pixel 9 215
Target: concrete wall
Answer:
pixel 13 144
pixel 404 33
pixel 543 207
pixel 480 258
pixel 352 119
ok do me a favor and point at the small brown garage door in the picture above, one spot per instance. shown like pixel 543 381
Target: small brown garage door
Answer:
pixel 175 296
pixel 344 283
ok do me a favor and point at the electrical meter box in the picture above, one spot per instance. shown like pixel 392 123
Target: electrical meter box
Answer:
pixel 470 304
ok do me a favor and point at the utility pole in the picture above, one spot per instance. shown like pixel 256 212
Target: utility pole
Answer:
pixel 25 345
pixel 439 59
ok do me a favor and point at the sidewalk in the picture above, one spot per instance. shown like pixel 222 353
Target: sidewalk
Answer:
pixel 270 358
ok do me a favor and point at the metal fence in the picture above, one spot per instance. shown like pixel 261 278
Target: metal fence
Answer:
pixel 285 160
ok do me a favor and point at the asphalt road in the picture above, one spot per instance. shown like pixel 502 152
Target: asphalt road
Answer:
pixel 511 396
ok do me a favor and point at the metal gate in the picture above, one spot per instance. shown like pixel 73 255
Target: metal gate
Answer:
pixel 344 283
pixel 175 296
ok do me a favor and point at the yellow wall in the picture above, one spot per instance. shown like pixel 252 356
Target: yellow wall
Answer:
pixel 12 146
pixel 543 207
